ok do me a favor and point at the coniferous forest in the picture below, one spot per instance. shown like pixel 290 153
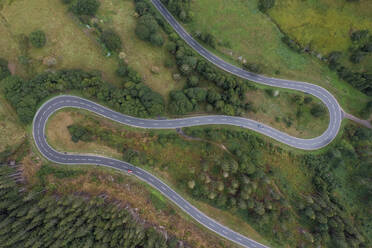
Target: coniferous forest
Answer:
pixel 38 219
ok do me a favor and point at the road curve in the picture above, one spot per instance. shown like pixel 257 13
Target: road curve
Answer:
pixel 64 101
pixel 334 109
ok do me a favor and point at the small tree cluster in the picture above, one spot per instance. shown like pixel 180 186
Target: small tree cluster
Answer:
pixel 148 29
pixel 4 71
pixel 111 40
pixel 79 132
pixel 85 7
pixel 265 5
pixel 180 8
pixel 207 38
pixel 134 99
pixel 37 38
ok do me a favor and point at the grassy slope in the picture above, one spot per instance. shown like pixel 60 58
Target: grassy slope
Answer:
pixel 142 56
pixel 11 132
pixel 326 25
pixel 71 45
pixel 171 168
pixel 75 47
pixel 150 206
pixel 255 37
pixel 168 156
pixel 274 111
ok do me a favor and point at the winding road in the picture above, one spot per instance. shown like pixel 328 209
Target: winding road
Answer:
pixel 64 101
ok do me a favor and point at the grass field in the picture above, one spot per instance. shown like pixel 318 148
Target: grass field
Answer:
pixel 278 111
pixel 325 24
pixel 74 46
pixel 141 55
pixel 256 38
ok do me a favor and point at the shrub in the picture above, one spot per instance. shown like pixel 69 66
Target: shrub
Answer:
pixel 141 8
pixel 291 43
pixel 79 132
pixel 256 68
pixel 264 5
pixel 193 81
pixel 156 39
pixel 359 35
pixel 168 63
pixel 4 71
pixel 85 7
pixel 357 56
pixel 37 38
pixel 111 40
pixel 66 1
pixel 142 32
pixel 317 110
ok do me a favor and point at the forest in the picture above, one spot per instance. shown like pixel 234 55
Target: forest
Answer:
pixel 134 99
pixel 40 219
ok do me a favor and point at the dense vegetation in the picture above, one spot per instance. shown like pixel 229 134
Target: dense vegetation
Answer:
pixel 134 98
pixel 179 8
pixel 244 182
pixel 325 211
pixel 79 132
pixel 38 38
pixel 4 71
pixel 148 29
pixel 361 47
pixel 111 40
pixel 38 219
pixel 265 5
pixel 84 7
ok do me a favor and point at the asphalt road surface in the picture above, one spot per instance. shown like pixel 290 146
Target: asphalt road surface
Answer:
pixel 63 101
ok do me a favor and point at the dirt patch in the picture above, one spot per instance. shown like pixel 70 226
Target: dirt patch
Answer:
pixel 31 164
pixel 12 67
pixel 129 192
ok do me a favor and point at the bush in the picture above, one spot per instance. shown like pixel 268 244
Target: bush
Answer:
pixel 359 35
pixel 264 5
pixel 357 56
pixel 85 7
pixel 168 63
pixel 156 39
pixel 142 32
pixel 141 8
pixel 291 43
pixel 318 110
pixel 66 1
pixel 38 39
pixel 256 68
pixel 79 132
pixel 4 71
pixel 193 81
pixel 111 40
